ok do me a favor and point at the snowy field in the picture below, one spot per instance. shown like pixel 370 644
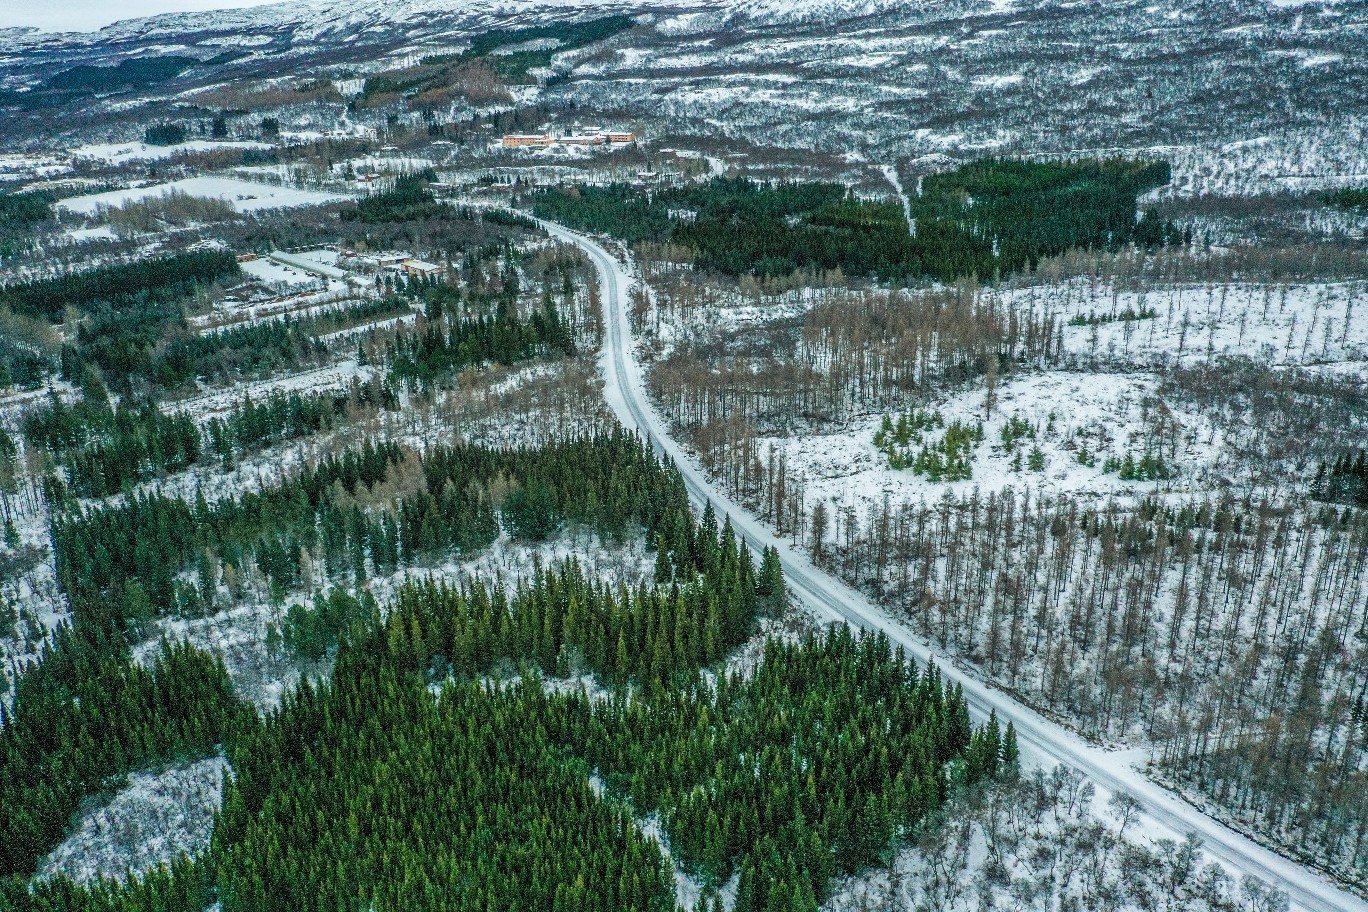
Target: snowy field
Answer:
pixel 122 153
pixel 1102 415
pixel 384 164
pixel 18 166
pixel 98 233
pixel 280 276
pixel 332 376
pixel 245 196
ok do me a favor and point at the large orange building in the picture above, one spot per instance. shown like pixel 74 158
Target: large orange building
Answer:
pixel 517 140
pixel 592 136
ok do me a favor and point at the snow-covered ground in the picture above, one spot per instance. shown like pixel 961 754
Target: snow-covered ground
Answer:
pixel 28 572
pixel 20 166
pixel 1286 323
pixel 1039 844
pixel 317 262
pixel 280 276
pixel 384 164
pixel 1102 415
pixel 153 818
pixel 332 376
pixel 122 153
pixel 245 196
pixel 98 233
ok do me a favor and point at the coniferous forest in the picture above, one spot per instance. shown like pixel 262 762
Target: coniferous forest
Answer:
pixel 496 774
pixel 984 219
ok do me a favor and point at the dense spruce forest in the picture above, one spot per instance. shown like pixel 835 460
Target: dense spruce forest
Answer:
pixel 1349 198
pixel 1345 481
pixel 609 484
pixel 984 219
pixel 20 213
pixel 313 525
pixel 83 717
pixel 121 287
pixel 162 352
pixel 493 763
pixel 408 200
pixel 484 767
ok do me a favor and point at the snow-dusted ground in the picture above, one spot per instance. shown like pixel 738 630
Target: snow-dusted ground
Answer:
pixel 323 256
pixel 1106 415
pixel 1288 323
pixel 153 818
pixel 19 166
pixel 280 276
pixel 332 376
pixel 1037 845
pixel 236 635
pixel 28 573
pixel 98 233
pixel 383 164
pixel 245 196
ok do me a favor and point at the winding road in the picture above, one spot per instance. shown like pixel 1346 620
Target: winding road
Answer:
pixel 1042 741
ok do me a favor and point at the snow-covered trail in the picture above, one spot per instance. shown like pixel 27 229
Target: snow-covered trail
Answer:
pixel 891 172
pixel 1041 740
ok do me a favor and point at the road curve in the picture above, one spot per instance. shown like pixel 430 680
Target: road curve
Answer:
pixel 1041 740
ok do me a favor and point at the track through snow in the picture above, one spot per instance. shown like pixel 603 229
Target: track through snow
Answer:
pixel 891 172
pixel 1041 740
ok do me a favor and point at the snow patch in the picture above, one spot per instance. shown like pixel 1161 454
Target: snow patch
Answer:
pixel 121 153
pixel 152 819
pixel 245 196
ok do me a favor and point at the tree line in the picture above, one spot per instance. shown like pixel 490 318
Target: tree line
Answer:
pixel 408 200
pixel 1348 198
pixel 104 449
pixel 984 220
pixel 20 213
pixel 132 324
pixel 311 527
pixel 121 285
pixel 169 355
